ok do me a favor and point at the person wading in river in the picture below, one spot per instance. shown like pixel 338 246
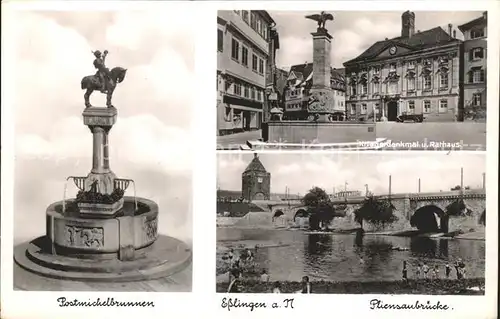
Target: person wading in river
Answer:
pixel 306 285
pixel 418 271
pixel 425 269
pixel 447 270
pixel 405 271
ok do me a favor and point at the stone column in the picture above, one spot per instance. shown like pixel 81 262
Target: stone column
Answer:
pixel 100 121
pixel 98 149
pixel 321 90
pixel 321 58
pixel 106 150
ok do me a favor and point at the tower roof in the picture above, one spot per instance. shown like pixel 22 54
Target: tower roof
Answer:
pixel 255 165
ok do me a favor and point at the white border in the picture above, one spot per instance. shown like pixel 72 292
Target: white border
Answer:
pixel 203 302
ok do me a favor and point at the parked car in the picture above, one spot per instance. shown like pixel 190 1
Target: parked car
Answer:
pixel 416 118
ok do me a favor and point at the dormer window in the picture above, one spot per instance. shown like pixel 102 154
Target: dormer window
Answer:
pixel 477 33
pixel 392 67
pixel 376 70
pixel 411 65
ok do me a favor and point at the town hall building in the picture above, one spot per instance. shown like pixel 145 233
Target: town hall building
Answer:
pixel 415 73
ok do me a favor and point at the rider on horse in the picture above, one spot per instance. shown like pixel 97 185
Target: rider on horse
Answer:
pixel 102 70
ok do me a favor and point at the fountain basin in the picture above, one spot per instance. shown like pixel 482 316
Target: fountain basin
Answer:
pixel 126 247
pixel 73 234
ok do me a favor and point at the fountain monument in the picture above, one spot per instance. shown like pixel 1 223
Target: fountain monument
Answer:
pixel 101 234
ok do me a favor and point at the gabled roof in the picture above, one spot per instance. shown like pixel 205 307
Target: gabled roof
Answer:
pixel 421 40
pixel 303 69
pixel 307 68
pixel 473 23
pixel 338 74
pixel 255 165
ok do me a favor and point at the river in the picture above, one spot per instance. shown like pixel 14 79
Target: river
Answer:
pixel 347 257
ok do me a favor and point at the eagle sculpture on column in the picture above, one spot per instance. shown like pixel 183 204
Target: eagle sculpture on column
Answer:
pixel 321 18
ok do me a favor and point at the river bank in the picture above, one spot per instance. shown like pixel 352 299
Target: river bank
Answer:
pixel 413 287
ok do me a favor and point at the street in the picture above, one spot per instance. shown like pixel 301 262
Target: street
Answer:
pixel 471 136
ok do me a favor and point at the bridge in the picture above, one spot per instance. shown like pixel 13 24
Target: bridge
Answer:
pixel 416 207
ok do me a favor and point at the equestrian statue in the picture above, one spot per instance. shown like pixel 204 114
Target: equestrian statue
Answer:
pixel 104 80
pixel 321 19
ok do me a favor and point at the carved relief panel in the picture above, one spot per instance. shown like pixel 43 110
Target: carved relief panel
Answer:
pixel 84 237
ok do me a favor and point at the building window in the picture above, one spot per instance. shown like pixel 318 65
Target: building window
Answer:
pixel 364 108
pixel 476 54
pixel 443 106
pixel 443 81
pixel 244 56
pixel 259 27
pixel 252 94
pixel 235 50
pixel 411 84
pixel 253 21
pixel 411 65
pixel 392 67
pixel 477 76
pixel 476 33
pixel 427 82
pixel 254 62
pixel 245 91
pixel 427 106
pixel 259 96
pixel 364 88
pixel 392 87
pixel 244 16
pixel 237 89
pixel 353 89
pixel 375 87
pixel 376 70
pixel 476 99
pixel 227 86
pixel 353 109
pixel 261 66
pixel 411 107
pixel 220 40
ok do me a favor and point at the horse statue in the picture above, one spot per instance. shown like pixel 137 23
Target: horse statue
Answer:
pixel 92 83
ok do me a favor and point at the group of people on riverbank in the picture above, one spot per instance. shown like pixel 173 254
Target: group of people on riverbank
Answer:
pixel 424 271
pixel 245 262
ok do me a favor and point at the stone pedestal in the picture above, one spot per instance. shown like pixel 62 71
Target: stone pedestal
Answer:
pixel 321 102
pixel 101 179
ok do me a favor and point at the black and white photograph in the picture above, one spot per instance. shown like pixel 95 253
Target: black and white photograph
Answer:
pixel 370 223
pixel 101 202
pixel 365 80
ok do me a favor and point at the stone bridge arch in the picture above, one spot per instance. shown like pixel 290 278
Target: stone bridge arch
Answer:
pixel 430 218
pixel 470 217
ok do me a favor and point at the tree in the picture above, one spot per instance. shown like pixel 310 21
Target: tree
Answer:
pixel 375 211
pixel 320 207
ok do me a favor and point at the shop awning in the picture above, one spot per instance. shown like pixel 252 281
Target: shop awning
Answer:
pixel 240 103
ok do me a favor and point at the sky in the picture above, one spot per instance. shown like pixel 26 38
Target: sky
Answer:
pixel 353 31
pixel 302 171
pixel 150 142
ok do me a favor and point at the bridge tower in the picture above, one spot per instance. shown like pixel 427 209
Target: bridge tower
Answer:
pixel 256 181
